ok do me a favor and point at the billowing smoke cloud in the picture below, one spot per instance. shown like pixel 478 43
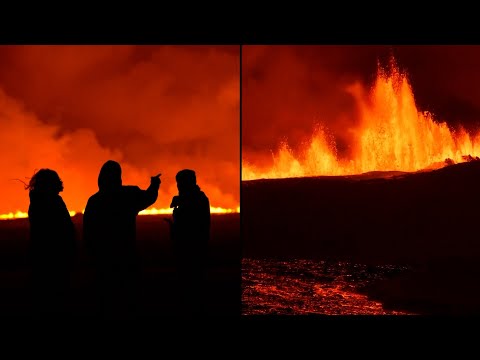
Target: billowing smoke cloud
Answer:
pixel 286 90
pixel 152 108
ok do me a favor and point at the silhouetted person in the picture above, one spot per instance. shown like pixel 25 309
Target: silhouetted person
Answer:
pixel 190 233
pixel 52 242
pixel 109 228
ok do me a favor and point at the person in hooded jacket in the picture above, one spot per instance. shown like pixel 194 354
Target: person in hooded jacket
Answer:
pixel 109 230
pixel 190 234
pixel 52 243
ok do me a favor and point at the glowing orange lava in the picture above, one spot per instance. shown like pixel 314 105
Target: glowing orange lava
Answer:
pixel 393 135
pixel 213 210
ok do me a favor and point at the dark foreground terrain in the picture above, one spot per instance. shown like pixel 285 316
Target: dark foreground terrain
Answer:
pixel 157 290
pixel 428 221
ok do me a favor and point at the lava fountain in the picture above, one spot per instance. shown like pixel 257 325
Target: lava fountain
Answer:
pixel 392 135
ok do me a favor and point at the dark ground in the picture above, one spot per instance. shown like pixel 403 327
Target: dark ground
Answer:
pixel 157 295
pixel 428 221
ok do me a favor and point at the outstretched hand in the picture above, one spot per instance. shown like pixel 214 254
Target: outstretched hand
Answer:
pixel 155 180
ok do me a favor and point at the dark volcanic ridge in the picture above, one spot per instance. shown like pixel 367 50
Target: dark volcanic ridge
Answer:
pixel 406 217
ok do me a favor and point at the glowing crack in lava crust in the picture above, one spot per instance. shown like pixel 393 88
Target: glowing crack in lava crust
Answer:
pixel 392 135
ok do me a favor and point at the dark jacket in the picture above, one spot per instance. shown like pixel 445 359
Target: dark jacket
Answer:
pixel 191 224
pixel 52 233
pixel 109 222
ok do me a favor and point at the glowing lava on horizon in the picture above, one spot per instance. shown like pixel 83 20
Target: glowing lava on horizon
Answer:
pixel 214 210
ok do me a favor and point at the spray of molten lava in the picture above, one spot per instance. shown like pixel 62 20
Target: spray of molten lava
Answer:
pixel 393 135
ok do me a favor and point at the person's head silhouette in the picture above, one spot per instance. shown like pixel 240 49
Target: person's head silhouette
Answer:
pixel 186 181
pixel 45 181
pixel 110 177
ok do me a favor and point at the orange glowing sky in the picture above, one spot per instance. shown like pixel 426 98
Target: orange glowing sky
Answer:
pixel 152 108
pixel 340 114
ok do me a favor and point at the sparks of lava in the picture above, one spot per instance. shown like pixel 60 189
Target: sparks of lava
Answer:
pixel 393 135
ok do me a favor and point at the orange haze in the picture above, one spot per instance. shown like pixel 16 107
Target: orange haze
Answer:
pixel 151 108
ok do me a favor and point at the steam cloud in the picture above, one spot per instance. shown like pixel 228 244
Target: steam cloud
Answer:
pixel 152 108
